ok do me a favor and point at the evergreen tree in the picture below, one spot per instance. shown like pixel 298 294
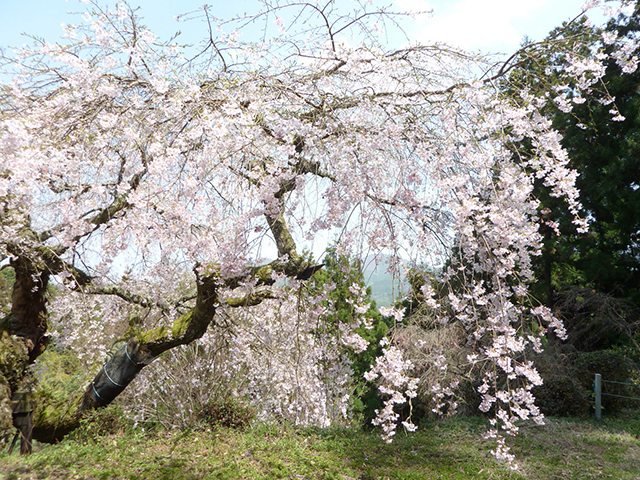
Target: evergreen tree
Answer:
pixel 605 261
pixel 607 156
pixel 342 280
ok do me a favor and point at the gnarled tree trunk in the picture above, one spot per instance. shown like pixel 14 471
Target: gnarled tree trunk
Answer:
pixel 22 339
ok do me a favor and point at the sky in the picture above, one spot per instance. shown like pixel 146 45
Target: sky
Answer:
pixel 493 26
pixel 496 26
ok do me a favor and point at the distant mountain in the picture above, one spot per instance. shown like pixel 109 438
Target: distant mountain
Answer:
pixel 385 289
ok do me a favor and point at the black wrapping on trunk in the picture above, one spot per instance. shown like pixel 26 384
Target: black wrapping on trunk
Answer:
pixel 118 372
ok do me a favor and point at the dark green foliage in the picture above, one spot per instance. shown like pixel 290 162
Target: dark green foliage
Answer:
pixel 568 377
pixel 614 367
pixel 598 321
pixel 592 279
pixel 228 413
pixel 607 156
pixel 344 271
pixel 562 395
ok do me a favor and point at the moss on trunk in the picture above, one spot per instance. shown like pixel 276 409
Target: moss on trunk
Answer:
pixel 14 359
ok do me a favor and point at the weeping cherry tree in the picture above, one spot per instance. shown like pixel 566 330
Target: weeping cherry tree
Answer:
pixel 119 151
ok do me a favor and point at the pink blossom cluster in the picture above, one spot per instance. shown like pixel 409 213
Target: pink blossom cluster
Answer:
pixel 390 369
pixel 139 166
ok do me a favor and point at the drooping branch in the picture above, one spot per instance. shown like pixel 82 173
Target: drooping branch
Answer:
pixel 119 204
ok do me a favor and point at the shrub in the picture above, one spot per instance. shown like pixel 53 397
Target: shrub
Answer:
pixel 614 367
pixel 423 341
pixel 596 321
pixel 176 387
pixel 562 395
pixel 60 373
pixel 230 413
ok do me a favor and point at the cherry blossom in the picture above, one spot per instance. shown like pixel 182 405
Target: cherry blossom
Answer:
pixel 170 184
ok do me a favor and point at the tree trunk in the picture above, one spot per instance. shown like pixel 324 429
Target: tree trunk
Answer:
pixel 28 318
pixel 23 420
pixel 22 339
pixel 55 420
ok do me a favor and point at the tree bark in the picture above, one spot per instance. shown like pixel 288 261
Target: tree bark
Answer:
pixel 28 318
pixel 22 339
pixel 54 420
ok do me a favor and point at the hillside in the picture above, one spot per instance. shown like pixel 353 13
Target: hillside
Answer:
pixel 384 288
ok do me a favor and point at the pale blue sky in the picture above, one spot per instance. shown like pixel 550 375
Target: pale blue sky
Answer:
pixel 488 25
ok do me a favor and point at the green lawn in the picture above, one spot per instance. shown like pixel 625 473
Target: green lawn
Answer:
pixel 452 449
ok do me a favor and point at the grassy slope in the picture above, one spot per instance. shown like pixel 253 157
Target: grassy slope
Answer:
pixel 565 449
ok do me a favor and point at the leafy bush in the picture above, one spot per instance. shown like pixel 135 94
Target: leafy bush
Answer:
pixel 230 413
pixel 60 373
pixel 614 367
pixel 568 377
pixel 562 395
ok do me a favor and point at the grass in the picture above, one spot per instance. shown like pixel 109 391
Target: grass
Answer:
pixel 453 449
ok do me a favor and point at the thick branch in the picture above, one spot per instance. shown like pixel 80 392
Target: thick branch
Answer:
pixel 139 351
pixel 54 420
pixel 255 297
pixel 284 241
pixel 127 296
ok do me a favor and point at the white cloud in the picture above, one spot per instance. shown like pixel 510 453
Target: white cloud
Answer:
pixel 474 24
pixel 495 25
